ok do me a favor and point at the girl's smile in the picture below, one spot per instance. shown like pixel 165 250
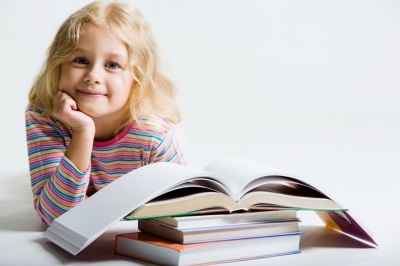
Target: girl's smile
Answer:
pixel 92 94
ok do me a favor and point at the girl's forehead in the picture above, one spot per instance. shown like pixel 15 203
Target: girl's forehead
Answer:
pixel 101 36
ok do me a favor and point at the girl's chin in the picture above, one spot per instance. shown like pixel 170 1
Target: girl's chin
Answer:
pixel 90 111
pixel 99 111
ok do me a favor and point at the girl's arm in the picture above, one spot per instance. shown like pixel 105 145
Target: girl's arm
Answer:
pixel 57 184
pixel 59 165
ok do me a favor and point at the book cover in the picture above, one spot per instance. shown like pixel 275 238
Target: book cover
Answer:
pixel 218 233
pixel 141 246
pixel 207 219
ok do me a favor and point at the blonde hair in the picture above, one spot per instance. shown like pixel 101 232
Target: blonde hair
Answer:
pixel 152 92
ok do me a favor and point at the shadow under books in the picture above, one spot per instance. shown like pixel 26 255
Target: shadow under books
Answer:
pixel 102 249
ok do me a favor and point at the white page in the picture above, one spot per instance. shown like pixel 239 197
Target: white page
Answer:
pixel 239 172
pixel 93 216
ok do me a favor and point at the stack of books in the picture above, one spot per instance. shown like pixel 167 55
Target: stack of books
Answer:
pixel 213 238
pixel 169 189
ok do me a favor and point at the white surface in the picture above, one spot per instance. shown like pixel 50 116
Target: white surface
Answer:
pixel 309 87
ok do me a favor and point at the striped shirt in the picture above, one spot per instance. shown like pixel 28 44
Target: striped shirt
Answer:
pixel 57 185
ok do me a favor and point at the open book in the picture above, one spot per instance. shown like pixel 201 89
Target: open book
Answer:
pixel 167 189
pixel 236 184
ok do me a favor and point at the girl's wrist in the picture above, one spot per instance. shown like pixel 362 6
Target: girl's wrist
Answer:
pixel 85 131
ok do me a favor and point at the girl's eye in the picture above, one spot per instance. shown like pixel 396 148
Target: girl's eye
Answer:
pixel 112 65
pixel 81 61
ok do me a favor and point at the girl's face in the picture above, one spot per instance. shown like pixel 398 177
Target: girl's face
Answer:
pixel 97 76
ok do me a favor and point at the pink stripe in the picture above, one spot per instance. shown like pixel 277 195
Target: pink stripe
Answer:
pixel 112 141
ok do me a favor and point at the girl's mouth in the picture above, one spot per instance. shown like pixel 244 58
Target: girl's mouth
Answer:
pixel 91 93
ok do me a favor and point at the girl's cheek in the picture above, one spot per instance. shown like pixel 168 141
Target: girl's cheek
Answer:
pixel 62 83
pixel 67 78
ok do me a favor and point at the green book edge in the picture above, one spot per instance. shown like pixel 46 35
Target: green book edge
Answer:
pixel 221 211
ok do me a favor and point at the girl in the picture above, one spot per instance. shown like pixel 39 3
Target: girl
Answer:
pixel 99 108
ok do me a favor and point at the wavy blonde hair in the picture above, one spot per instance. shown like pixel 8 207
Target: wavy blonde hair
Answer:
pixel 152 92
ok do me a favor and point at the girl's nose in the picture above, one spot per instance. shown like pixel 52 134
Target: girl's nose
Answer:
pixel 94 75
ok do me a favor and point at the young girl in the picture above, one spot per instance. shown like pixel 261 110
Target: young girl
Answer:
pixel 100 108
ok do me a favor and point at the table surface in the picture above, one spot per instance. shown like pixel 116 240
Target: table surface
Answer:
pixel 22 243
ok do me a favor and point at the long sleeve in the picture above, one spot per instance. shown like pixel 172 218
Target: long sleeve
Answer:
pixel 168 148
pixel 57 185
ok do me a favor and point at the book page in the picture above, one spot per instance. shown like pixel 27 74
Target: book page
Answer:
pixel 240 172
pixel 98 212
pixel 245 175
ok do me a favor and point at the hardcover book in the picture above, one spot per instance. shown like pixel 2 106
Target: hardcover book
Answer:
pixel 218 233
pixel 148 248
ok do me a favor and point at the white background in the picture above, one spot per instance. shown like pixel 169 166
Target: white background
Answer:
pixel 310 87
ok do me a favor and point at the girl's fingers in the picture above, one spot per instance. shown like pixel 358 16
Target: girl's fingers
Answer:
pixel 68 104
pixel 66 110
pixel 64 103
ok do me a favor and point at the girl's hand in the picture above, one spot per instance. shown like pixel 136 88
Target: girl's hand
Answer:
pixel 80 148
pixel 66 110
